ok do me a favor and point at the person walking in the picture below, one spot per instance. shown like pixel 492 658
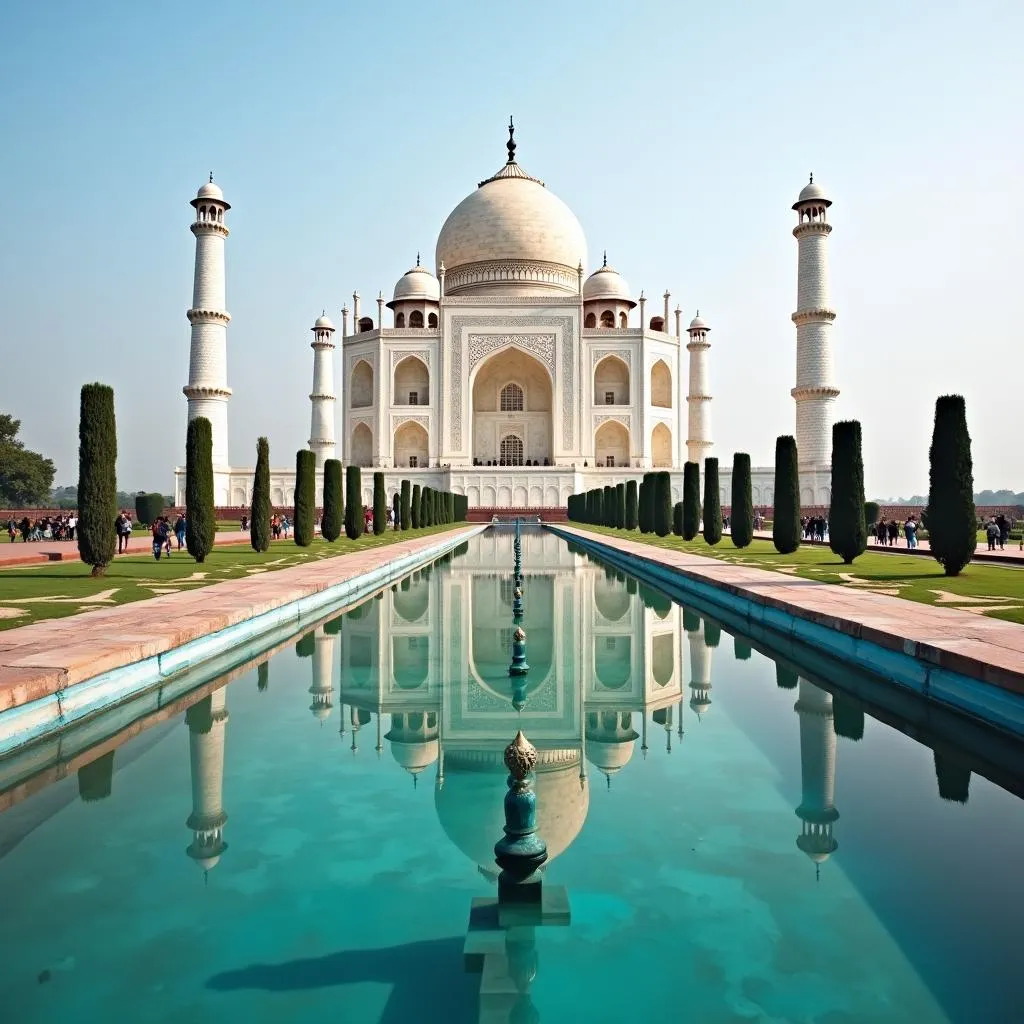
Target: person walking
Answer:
pixel 179 530
pixel 992 533
pixel 124 532
pixel 910 532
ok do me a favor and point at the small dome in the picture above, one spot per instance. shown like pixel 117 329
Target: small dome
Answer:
pixel 320 711
pixel 607 283
pixel 812 192
pixel 610 756
pixel 417 284
pixel 697 324
pixel 210 191
pixel 323 323
pixel 414 756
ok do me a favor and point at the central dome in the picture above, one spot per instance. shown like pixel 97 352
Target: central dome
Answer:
pixel 511 235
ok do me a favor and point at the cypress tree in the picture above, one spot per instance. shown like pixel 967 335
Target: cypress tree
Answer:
pixel 712 633
pixel 148 507
pixel 847 531
pixel 620 506
pixel 645 511
pixel 786 516
pixel 598 506
pixel 608 504
pixel 871 510
pixel 677 519
pixel 380 504
pixel 426 507
pixel 741 515
pixel 259 512
pixel 691 618
pixel 712 502
pixel 330 525
pixel 405 505
pixel 415 508
pixel 97 477
pixel 461 511
pixel 200 518
pixel 305 646
pixel 305 497
pixel 663 503
pixel 353 503
pixel 631 505
pixel 262 675
pixel 451 507
pixel 951 516
pixel 691 500
pixel 396 510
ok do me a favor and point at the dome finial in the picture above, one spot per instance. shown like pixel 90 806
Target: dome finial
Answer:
pixel 511 144
pixel 417 258
pixel 811 182
pixel 211 177
pixel 605 264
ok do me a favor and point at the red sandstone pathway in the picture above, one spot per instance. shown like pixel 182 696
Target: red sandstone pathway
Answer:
pixel 37 551
pixel 48 656
pixel 988 649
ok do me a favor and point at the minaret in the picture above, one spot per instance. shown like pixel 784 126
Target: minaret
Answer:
pixel 207 390
pixel 817 772
pixel 700 669
pixel 322 686
pixel 698 401
pixel 206 724
pixel 321 428
pixel 815 389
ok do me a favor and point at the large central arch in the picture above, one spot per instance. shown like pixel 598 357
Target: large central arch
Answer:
pixel 512 396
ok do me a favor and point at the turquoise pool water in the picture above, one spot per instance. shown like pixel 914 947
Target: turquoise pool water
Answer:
pixel 305 841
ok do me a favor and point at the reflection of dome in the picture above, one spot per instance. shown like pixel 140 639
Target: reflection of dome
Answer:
pixel 607 283
pixel 512 217
pixel 817 845
pixel 470 806
pixel 610 757
pixel 812 192
pixel 417 284
pixel 414 757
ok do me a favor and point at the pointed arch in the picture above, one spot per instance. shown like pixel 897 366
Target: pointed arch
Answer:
pixel 411 446
pixel 661 447
pixel 611 444
pixel 362 445
pixel 361 385
pixel 661 385
pixel 611 378
pixel 412 382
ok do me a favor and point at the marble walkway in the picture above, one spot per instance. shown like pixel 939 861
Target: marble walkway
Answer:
pixel 983 648
pixel 46 657
pixel 34 552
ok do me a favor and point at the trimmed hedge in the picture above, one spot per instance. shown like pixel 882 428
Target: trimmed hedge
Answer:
pixel 380 504
pixel 786 516
pixel 415 507
pixel 712 502
pixel 741 514
pixel 200 518
pixel 97 477
pixel 148 507
pixel 405 506
pixel 631 505
pixel 691 500
pixel 353 503
pixel 260 511
pixel 663 503
pixel 677 519
pixel 330 525
pixel 304 523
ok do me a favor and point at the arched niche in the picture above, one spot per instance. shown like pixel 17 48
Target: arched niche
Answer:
pixel 362 445
pixel 361 385
pixel 663 658
pixel 661 447
pixel 661 385
pixel 611 444
pixel 611 382
pixel 410 661
pixel 611 598
pixel 613 661
pixel 522 380
pixel 411 447
pixel 412 382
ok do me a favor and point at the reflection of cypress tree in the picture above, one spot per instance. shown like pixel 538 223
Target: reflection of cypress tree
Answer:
pixel 462 549
pixel 712 633
pixel 660 716
pixel 631 585
pixel 199 717
pixel 333 628
pixel 363 716
pixel 96 779
pixel 847 717
pixel 741 649
pixel 954 779
pixel 785 678
pixel 691 620
pixel 305 646
pixel 262 675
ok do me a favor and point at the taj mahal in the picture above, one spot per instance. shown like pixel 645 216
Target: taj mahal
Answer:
pixel 511 375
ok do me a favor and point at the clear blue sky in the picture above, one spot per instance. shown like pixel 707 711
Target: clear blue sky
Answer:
pixel 679 133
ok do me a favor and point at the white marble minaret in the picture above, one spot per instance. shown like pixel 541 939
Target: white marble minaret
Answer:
pixel 321 429
pixel 698 401
pixel 817 808
pixel 206 754
pixel 815 389
pixel 700 670
pixel 207 390
pixel 322 687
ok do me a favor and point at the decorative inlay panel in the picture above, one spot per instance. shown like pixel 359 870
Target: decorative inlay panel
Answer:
pixel 540 345
pixel 399 421
pixel 624 354
pixel 623 418
pixel 422 354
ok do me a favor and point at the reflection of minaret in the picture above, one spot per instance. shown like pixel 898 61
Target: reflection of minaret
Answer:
pixel 817 772
pixel 414 741
pixel 700 667
pixel 323 666
pixel 206 723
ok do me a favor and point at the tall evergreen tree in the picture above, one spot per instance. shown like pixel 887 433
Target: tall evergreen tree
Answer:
pixel 396 510
pixel 741 515
pixel 631 505
pixel 677 519
pixel 847 717
pixel 97 477
pixel 305 498
pixel 691 500
pixel 353 503
pixel 426 507
pixel 405 505
pixel 620 505
pixel 608 503
pixel 200 517
pixel 461 511
pixel 598 506
pixel 330 525
pixel 380 504
pixel 451 507
pixel 415 508
pixel 712 502
pixel 663 503
pixel 951 517
pixel 259 512
pixel 646 510
pixel 786 516
pixel 847 531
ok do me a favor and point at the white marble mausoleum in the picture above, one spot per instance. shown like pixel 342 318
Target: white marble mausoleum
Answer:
pixel 510 374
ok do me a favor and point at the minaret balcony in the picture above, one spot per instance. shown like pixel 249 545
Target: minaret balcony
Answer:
pixel 812 227
pixel 820 391
pixel 205 391
pixel 206 316
pixel 814 315
pixel 209 227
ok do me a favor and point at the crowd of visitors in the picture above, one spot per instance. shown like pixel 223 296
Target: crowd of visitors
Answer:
pixel 814 527
pixel 997 531
pixel 60 527
pixel 889 533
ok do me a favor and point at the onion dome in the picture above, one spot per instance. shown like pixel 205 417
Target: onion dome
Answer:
pixel 207 191
pixel 812 193
pixel 607 283
pixel 413 755
pixel 697 324
pixel 512 220
pixel 323 323
pixel 416 285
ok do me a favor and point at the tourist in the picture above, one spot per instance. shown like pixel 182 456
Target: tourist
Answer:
pixel 180 526
pixel 12 530
pixel 286 525
pixel 910 532
pixel 992 533
pixel 245 524
pixel 165 533
pixel 72 525
pixel 124 532
pixel 894 532
pixel 1004 530
pixel 275 527
pixel 158 541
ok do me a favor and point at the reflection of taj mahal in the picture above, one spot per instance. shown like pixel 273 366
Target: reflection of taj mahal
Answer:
pixel 510 375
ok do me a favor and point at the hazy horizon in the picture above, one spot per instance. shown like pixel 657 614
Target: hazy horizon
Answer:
pixel 679 135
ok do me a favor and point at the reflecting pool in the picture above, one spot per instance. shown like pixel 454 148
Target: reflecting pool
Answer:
pixel 738 839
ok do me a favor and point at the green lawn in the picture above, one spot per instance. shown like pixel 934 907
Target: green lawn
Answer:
pixel 988 589
pixel 33 592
